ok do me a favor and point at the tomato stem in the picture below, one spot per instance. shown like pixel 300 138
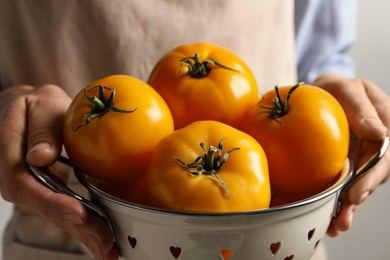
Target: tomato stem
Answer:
pixel 100 105
pixel 210 158
pixel 210 163
pixel 281 106
pixel 200 69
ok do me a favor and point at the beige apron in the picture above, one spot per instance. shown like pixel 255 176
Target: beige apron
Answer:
pixel 71 43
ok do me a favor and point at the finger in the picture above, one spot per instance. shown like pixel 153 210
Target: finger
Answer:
pixel 12 131
pixel 380 99
pixel 20 187
pixel 360 190
pixel 44 136
pixel 28 193
pixel 362 115
pixel 66 213
pixel 332 231
pixel 97 237
pixel 92 231
pixel 343 221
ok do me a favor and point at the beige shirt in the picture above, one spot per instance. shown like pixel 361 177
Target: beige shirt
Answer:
pixel 73 42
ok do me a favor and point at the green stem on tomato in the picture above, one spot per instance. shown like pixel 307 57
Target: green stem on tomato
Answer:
pixel 100 105
pixel 280 107
pixel 200 69
pixel 210 163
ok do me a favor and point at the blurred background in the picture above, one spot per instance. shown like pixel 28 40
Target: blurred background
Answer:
pixel 370 234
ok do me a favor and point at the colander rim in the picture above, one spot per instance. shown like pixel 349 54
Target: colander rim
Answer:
pixel 344 177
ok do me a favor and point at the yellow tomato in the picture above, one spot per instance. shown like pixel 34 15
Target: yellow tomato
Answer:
pixel 305 135
pixel 204 82
pixel 112 127
pixel 208 166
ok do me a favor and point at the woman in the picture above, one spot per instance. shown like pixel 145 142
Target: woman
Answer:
pixel 51 49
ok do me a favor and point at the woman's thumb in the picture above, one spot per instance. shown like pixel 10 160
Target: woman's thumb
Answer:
pixel 44 134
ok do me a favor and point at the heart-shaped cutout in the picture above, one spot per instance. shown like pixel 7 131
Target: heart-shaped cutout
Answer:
pixel 132 241
pixel 175 251
pixel 310 234
pixel 291 257
pixel 274 247
pixel 226 254
pixel 317 243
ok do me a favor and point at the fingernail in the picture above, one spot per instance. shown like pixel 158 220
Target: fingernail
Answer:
pixel 370 121
pixel 73 219
pixel 348 224
pixel 374 123
pixel 40 146
pixel 351 213
pixel 94 247
pixel 364 196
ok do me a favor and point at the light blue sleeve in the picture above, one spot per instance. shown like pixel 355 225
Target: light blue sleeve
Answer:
pixel 325 30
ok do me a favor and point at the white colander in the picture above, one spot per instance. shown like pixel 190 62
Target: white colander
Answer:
pixel 289 232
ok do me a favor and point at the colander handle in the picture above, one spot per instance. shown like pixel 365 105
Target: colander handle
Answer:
pixel 364 169
pixel 56 184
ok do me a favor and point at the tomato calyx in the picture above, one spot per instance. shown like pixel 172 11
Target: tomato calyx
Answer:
pixel 200 69
pixel 101 105
pixel 210 163
pixel 281 106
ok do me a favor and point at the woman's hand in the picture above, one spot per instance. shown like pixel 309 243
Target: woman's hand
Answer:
pixel 367 108
pixel 31 121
